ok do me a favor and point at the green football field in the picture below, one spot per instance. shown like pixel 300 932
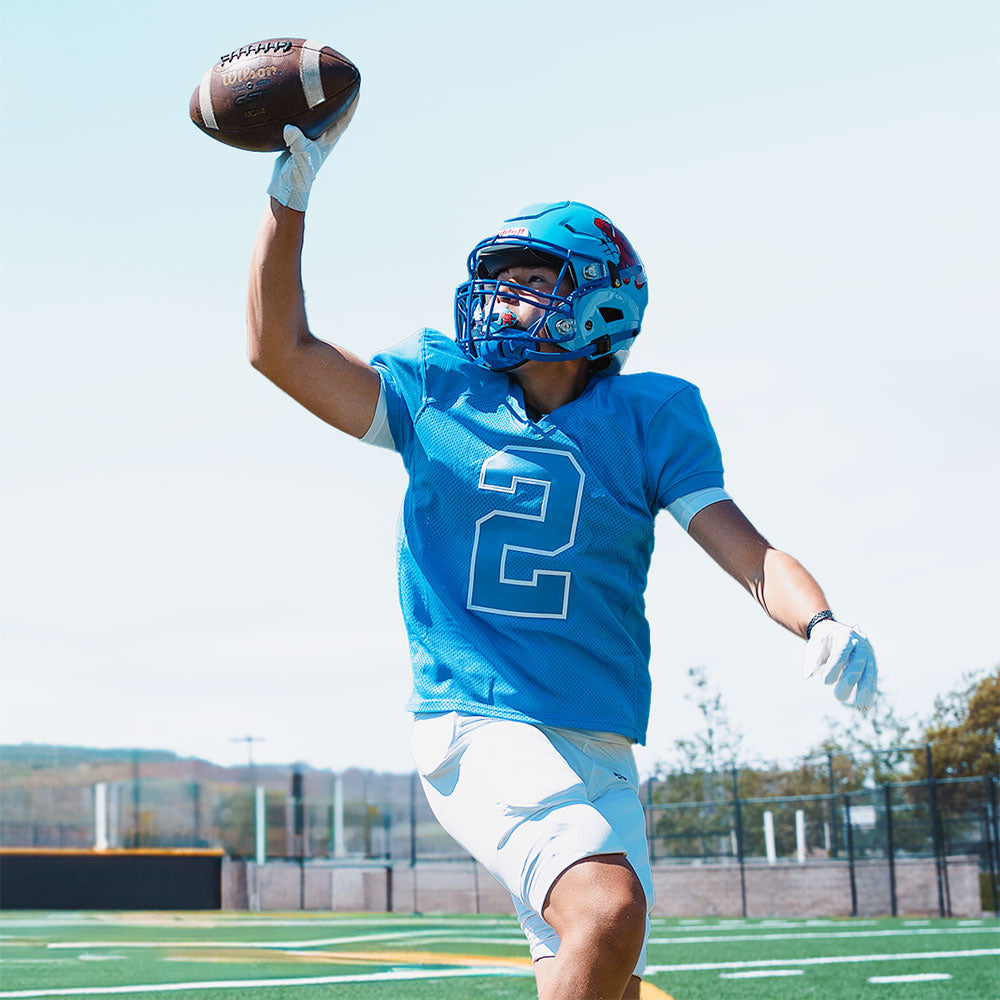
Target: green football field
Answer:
pixel 225 956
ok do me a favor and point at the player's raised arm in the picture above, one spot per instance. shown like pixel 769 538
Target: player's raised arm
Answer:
pixel 329 381
pixel 838 653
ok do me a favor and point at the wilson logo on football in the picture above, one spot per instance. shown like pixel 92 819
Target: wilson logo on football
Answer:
pixel 248 73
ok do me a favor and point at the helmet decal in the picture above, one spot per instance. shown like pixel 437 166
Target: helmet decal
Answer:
pixel 627 257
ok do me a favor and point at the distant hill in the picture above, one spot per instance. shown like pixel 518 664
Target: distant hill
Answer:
pixel 45 755
pixel 157 797
pixel 49 764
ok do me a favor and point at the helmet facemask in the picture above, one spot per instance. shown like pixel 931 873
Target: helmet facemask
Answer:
pixel 483 307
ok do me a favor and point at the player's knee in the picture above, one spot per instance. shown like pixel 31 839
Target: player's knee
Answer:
pixel 599 905
pixel 615 921
pixel 626 923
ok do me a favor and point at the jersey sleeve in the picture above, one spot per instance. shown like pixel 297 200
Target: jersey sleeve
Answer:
pixel 684 508
pixel 402 370
pixel 682 451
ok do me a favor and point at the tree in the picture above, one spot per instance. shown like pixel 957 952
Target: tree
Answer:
pixel 865 746
pixel 698 773
pixel 963 733
pixel 717 745
pixel 964 730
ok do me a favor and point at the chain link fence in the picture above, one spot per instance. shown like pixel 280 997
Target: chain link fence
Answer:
pixel 356 814
pixel 871 830
pixel 362 815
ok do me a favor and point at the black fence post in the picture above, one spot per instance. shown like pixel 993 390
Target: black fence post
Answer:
pixel 849 838
pixel 991 871
pixel 413 819
pixel 833 806
pixel 298 813
pixel 939 861
pixel 650 821
pixel 298 831
pixel 136 802
pixel 738 820
pixel 993 822
pixel 475 882
pixel 890 850
pixel 196 810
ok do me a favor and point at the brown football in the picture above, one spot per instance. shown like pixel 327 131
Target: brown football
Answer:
pixel 250 94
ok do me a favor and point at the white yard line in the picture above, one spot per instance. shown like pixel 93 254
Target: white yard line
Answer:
pixel 229 984
pixel 813 935
pixel 241 920
pixel 726 927
pixel 514 938
pixel 313 943
pixel 761 974
pixel 917 977
pixel 752 923
pixel 34 961
pixel 763 963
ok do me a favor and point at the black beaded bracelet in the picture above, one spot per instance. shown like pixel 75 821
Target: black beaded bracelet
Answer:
pixel 821 616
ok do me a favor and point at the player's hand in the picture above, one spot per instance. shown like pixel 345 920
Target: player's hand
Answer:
pixel 843 656
pixel 296 168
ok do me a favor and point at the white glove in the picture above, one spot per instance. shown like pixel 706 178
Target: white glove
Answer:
pixel 296 168
pixel 843 656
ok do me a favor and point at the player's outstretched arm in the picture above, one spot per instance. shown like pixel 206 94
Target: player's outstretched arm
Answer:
pixel 329 381
pixel 782 587
pixel 839 654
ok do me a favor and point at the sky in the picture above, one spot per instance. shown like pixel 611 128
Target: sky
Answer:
pixel 190 558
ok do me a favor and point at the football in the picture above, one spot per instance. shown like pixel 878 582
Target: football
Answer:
pixel 250 94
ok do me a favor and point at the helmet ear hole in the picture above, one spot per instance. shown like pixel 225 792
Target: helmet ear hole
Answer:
pixel 611 315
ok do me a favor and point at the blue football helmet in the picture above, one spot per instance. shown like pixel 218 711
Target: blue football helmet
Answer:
pixel 597 319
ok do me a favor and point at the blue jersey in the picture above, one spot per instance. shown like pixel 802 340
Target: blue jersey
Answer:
pixel 524 545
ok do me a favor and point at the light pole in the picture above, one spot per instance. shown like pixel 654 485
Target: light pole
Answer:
pixel 250 741
pixel 251 777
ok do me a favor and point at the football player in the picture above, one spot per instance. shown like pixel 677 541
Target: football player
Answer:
pixel 536 471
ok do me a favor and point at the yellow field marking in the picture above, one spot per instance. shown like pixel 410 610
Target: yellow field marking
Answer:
pixel 118 852
pixel 647 991
pixel 415 958
pixel 232 958
pixel 285 954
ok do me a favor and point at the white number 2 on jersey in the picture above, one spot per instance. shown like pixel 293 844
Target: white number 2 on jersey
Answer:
pixel 545 592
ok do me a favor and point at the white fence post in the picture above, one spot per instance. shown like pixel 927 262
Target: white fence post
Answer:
pixel 339 848
pixel 101 842
pixel 260 828
pixel 769 837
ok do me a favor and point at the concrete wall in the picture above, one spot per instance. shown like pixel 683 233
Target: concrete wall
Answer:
pixel 462 887
pixel 814 889
pixel 285 885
